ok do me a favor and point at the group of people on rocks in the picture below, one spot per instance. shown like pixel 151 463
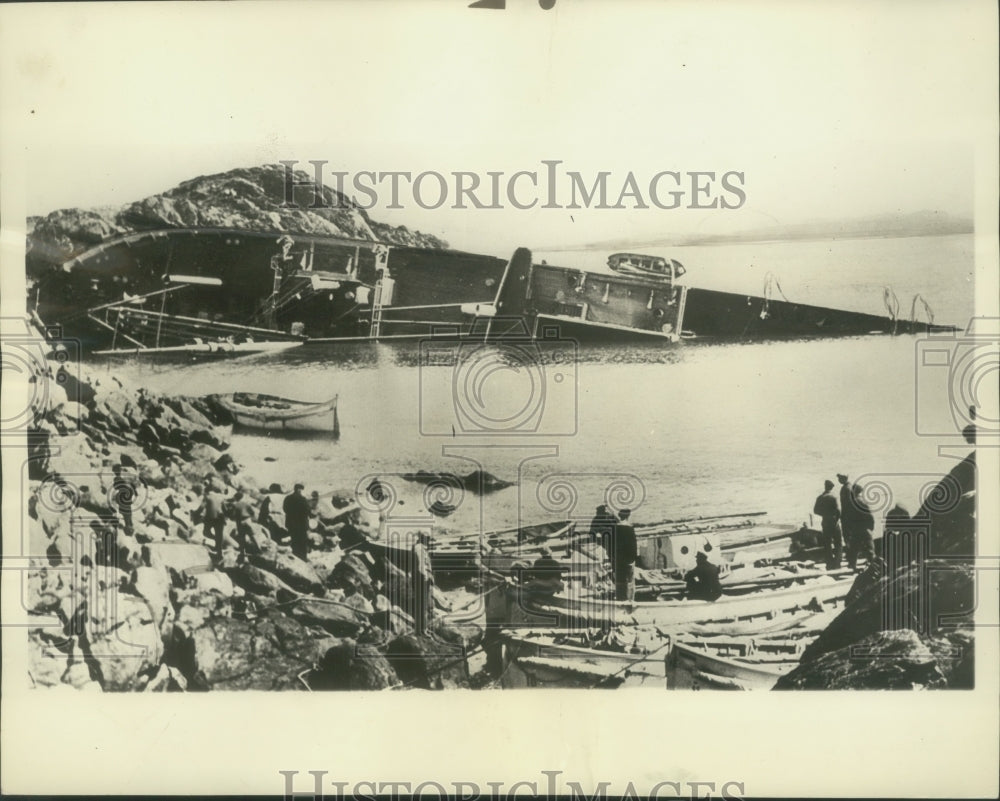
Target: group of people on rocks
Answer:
pixel 301 514
pixel 847 526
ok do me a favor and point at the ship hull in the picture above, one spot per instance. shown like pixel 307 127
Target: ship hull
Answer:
pixel 174 288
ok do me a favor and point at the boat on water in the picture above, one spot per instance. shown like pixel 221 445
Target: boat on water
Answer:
pixel 272 413
pixel 646 266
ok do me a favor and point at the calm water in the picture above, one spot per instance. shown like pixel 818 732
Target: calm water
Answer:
pixel 674 431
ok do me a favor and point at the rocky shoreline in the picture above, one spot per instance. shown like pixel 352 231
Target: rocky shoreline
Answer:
pixel 128 596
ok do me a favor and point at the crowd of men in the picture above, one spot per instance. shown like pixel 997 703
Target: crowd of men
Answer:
pixel 301 514
pixel 847 526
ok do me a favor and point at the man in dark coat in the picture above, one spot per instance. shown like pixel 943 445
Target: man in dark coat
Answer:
pixel 601 526
pixel 623 553
pixel 846 519
pixel 296 508
pixel 546 573
pixel 862 527
pixel 828 509
pixel 703 581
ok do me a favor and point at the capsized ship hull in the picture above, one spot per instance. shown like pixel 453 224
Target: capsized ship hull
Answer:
pixel 179 288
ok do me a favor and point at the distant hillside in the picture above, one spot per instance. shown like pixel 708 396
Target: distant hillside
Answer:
pixel 920 223
pixel 248 199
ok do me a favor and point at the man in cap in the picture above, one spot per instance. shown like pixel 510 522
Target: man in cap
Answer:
pixel 296 508
pixel 862 528
pixel 602 525
pixel 623 553
pixel 847 516
pixel 544 576
pixel 703 581
pixel 828 509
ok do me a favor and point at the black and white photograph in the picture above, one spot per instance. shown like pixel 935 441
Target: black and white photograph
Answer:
pixel 380 377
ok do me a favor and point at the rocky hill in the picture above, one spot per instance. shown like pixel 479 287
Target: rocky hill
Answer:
pixel 248 199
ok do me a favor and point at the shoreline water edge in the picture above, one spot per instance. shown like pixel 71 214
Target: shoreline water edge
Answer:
pixel 130 591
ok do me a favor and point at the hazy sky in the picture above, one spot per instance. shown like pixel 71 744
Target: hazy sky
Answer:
pixel 829 109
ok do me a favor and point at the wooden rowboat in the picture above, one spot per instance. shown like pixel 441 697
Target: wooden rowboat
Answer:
pixel 540 671
pixel 577 610
pixel 708 665
pixel 271 413
pixel 524 647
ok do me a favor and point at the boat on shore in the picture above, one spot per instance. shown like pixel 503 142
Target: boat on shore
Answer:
pixel 261 412
pixel 676 661
pixel 704 664
pixel 539 658
pixel 574 609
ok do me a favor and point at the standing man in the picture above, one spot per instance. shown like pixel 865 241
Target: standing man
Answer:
pixel 861 542
pixel 296 509
pixel 125 488
pixel 624 551
pixel 847 517
pixel 213 516
pixel 601 526
pixel 242 512
pixel 828 509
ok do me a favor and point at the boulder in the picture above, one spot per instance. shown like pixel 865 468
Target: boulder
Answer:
pixel 352 574
pixel 268 653
pixel 429 662
pixel 151 473
pixel 350 665
pixel 186 410
pixel 122 641
pixel 299 575
pixel 201 452
pixel 885 660
pixel 213 581
pixel 339 619
pixel 258 580
pixel 182 559
pixel 917 596
pixel 166 679
pixel 323 562
pixel 393 620
pixel 153 585
pixel 46 664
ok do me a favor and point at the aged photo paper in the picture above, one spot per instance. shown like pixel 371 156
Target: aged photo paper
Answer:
pixel 498 398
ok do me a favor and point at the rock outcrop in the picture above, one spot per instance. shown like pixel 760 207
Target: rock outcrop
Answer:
pixel 128 594
pixel 250 199
pixel 908 621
